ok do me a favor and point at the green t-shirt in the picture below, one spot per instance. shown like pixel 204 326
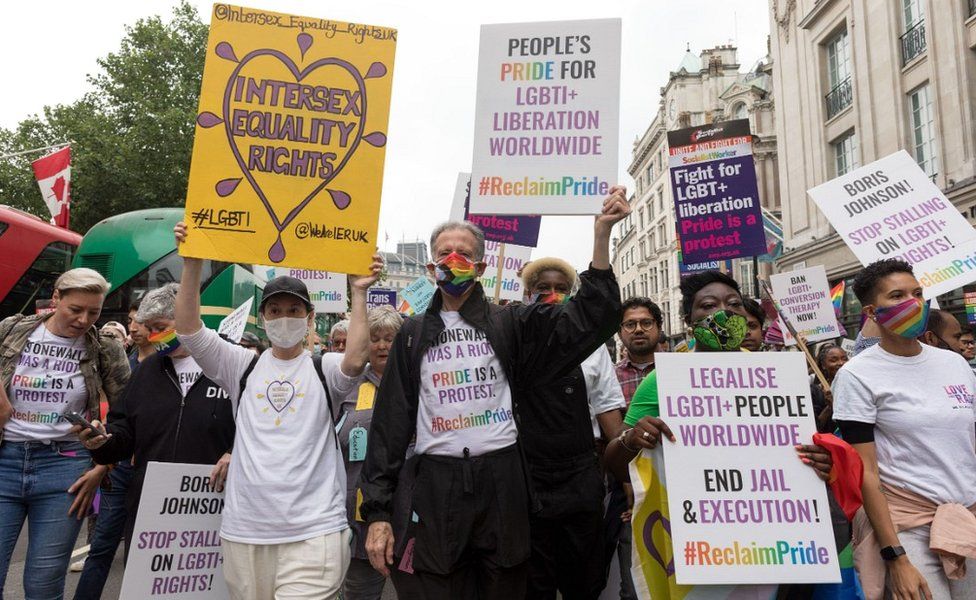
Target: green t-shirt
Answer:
pixel 644 403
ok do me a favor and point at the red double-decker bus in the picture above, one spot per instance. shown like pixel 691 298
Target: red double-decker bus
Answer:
pixel 33 253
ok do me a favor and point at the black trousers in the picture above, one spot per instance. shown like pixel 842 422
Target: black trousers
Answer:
pixel 472 529
pixel 566 557
pixel 567 533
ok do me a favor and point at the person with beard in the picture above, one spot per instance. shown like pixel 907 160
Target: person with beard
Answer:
pixel 641 335
pixel 943 331
pixel 458 379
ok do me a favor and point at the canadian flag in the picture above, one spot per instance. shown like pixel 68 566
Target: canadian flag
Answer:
pixel 53 174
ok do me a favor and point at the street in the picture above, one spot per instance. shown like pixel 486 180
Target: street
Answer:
pixel 14 589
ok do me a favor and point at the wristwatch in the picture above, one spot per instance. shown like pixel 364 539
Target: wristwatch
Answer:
pixel 890 553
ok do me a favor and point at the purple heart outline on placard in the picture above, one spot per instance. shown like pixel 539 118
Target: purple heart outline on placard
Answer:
pixel 652 520
pixel 207 119
pixel 283 387
pixel 277 252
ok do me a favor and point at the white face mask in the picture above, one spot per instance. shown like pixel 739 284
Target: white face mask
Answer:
pixel 286 332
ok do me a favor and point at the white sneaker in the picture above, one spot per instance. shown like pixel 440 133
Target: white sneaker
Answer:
pixel 77 566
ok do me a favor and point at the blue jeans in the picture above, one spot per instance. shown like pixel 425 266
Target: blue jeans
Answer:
pixel 108 533
pixel 34 482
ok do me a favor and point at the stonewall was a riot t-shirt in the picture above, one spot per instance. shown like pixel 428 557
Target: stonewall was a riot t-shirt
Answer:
pixel 46 384
pixel 465 399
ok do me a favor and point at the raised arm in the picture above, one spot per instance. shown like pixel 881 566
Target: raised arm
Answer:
pixel 615 209
pixel 357 338
pixel 188 298
pixel 552 339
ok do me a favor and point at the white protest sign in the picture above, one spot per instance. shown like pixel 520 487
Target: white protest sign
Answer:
pixel 744 508
pixel 418 294
pixel 891 209
pixel 175 550
pixel 546 118
pixel 804 296
pixel 327 290
pixel 233 325
pixel 847 345
pixel 515 258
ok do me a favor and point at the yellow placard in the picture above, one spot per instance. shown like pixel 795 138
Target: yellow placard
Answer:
pixel 367 394
pixel 287 164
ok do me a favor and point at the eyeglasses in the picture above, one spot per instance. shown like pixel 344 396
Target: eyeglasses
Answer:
pixel 969 342
pixel 645 324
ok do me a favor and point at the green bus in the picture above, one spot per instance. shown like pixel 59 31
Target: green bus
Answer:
pixel 136 252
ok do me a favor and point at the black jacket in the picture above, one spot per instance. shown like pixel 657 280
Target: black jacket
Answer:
pixel 155 423
pixel 535 344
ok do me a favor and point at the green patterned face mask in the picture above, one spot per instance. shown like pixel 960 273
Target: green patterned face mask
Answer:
pixel 720 330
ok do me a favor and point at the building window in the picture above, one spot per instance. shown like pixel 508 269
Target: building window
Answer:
pixel 923 130
pixel 660 200
pixel 739 111
pixel 667 317
pixel 913 40
pixel 650 173
pixel 640 218
pixel 746 277
pixel 841 93
pixel 664 275
pixel 845 153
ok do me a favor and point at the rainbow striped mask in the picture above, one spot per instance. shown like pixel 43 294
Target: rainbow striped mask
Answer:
pixel 165 341
pixel 907 319
pixel 549 298
pixel 455 274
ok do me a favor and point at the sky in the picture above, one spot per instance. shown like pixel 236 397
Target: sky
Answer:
pixel 50 47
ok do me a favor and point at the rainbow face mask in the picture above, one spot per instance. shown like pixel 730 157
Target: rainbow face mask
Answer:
pixel 165 342
pixel 549 298
pixel 455 274
pixel 907 319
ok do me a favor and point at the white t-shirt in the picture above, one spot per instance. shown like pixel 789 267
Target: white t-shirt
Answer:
pixel 602 388
pixel 923 412
pixel 286 481
pixel 187 373
pixel 46 384
pixel 465 398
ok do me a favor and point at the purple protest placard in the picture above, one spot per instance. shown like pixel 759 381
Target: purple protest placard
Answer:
pixel 380 297
pixel 521 230
pixel 716 199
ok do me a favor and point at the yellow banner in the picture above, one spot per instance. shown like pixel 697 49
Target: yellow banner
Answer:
pixel 290 139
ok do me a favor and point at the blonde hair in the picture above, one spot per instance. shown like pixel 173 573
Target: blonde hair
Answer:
pixel 384 317
pixel 82 280
pixel 532 271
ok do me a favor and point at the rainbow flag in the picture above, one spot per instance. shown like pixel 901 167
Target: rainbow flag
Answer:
pixel 837 297
pixel 405 309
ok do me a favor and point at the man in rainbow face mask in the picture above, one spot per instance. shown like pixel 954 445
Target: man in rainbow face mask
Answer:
pixel 565 471
pixel 170 412
pixel 459 378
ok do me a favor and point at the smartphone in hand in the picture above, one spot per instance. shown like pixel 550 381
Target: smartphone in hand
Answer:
pixel 76 419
